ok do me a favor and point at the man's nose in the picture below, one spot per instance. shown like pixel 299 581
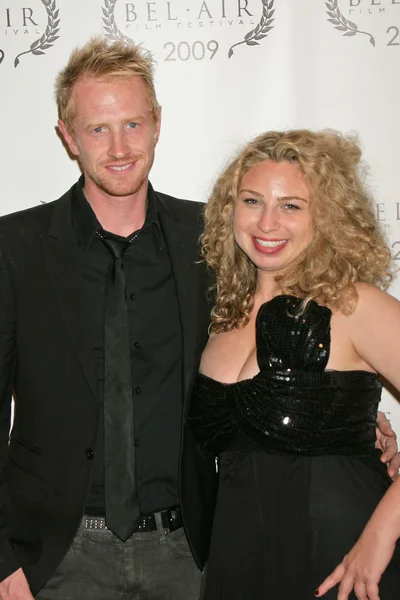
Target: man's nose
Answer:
pixel 118 145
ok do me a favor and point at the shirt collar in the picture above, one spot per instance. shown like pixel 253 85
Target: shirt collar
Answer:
pixel 152 217
pixel 86 223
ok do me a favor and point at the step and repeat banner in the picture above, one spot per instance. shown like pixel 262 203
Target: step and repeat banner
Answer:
pixel 226 71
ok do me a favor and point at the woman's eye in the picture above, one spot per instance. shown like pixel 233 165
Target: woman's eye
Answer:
pixel 291 206
pixel 250 201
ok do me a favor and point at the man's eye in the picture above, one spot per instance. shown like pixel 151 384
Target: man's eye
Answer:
pixel 132 125
pixel 98 129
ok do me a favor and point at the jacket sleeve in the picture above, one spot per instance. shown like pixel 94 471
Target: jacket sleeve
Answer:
pixel 8 560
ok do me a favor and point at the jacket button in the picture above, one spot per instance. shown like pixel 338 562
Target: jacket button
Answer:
pixel 89 453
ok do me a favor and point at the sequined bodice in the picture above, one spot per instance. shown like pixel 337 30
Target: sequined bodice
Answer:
pixel 293 405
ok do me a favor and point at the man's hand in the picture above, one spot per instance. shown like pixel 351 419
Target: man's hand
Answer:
pixel 386 440
pixel 15 587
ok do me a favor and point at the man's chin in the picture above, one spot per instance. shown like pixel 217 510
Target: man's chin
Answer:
pixel 122 190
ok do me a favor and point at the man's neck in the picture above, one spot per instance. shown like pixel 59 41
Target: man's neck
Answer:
pixel 121 215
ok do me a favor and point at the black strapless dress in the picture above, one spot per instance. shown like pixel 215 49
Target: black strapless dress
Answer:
pixel 299 475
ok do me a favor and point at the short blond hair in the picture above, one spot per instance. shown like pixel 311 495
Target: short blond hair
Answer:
pixel 101 59
pixel 348 244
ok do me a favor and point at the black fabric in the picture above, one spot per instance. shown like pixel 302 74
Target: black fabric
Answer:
pixel 155 336
pixel 298 472
pixel 46 358
pixel 120 490
pixel 292 395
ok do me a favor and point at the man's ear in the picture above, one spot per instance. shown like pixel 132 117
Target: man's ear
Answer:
pixel 69 140
pixel 158 126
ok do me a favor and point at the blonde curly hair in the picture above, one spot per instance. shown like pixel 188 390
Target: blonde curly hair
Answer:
pixel 348 245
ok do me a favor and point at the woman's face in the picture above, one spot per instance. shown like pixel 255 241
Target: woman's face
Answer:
pixel 273 224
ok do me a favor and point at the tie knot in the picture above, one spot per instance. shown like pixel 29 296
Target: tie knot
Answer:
pixel 115 245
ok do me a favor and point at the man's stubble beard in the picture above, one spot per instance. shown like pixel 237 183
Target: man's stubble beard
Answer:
pixel 122 188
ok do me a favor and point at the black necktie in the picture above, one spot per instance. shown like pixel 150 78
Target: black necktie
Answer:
pixel 121 497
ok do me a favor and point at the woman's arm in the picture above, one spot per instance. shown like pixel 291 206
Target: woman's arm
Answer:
pixel 363 567
pixel 374 329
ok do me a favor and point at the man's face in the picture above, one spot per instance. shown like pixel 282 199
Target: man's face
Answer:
pixel 114 134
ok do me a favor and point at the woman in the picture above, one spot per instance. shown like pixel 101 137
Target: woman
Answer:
pixel 287 393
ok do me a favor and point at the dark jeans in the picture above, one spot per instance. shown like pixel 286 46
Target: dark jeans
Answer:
pixel 148 566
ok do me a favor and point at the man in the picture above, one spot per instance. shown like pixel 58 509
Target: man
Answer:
pixel 103 318
pixel 53 353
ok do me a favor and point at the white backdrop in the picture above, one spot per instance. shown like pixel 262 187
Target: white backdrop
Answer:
pixel 227 70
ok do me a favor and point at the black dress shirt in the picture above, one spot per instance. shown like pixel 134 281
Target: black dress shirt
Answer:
pixel 156 351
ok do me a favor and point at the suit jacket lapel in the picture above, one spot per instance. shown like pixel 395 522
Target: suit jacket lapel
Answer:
pixel 183 254
pixel 62 260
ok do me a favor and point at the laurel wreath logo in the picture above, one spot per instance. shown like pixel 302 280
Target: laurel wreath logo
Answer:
pixel 261 30
pixel 341 24
pixel 110 27
pixel 50 35
pixel 1 56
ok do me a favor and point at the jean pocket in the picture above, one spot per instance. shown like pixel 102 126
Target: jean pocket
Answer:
pixel 177 541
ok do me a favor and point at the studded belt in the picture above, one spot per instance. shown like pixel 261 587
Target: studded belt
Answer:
pixel 170 519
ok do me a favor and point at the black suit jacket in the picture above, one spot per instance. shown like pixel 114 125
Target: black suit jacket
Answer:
pixel 46 360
